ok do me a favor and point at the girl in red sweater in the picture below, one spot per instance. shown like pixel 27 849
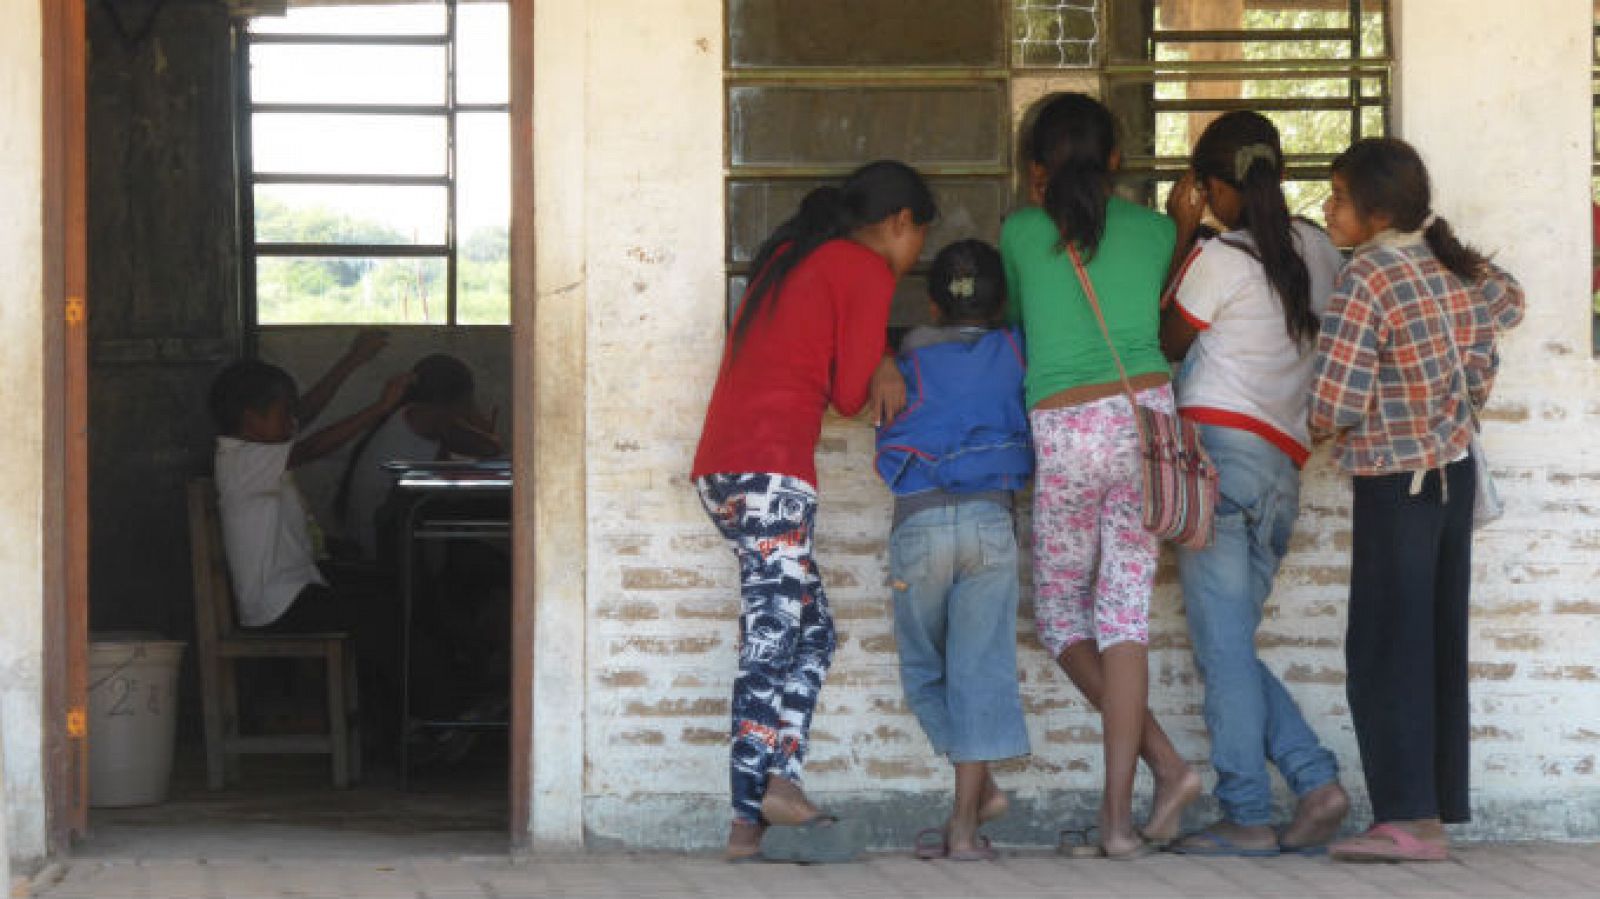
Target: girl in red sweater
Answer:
pixel 809 332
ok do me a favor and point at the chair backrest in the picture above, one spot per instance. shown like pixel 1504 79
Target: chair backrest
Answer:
pixel 213 594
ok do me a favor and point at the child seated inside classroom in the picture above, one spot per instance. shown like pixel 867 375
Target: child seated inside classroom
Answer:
pixel 267 532
pixel 952 460
pixel 437 420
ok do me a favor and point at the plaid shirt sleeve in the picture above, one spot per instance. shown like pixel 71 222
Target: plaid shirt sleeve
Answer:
pixel 1345 379
pixel 1503 295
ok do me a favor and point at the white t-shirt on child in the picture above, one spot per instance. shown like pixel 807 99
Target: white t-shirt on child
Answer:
pixel 370 484
pixel 1243 370
pixel 265 529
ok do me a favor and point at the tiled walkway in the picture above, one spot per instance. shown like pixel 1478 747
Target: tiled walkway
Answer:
pixel 1500 870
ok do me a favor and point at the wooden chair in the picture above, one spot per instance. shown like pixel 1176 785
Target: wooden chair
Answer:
pixel 222 644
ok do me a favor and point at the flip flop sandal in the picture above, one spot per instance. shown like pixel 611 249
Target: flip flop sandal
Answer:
pixel 1078 844
pixel 1143 850
pixel 822 840
pixel 1387 843
pixel 984 853
pixel 930 844
pixel 753 859
pixel 1315 850
pixel 1214 845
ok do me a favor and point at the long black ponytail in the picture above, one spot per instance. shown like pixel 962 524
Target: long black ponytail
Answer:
pixel 1242 149
pixel 871 194
pixel 1386 175
pixel 1072 139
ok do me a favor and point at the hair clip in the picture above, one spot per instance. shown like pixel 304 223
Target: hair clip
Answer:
pixel 963 288
pixel 1246 156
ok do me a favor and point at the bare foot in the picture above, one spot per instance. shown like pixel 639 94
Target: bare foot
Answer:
pixel 1226 833
pixel 1428 830
pixel 744 840
pixel 1317 817
pixel 960 835
pixel 1126 844
pixel 1173 794
pixel 993 803
pixel 785 803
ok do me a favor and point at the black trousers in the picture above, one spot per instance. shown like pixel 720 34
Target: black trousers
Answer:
pixel 1406 645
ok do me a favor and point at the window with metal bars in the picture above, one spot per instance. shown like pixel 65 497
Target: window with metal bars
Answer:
pixel 374 145
pixel 1320 69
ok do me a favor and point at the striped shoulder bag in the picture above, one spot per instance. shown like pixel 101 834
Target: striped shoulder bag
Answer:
pixel 1180 483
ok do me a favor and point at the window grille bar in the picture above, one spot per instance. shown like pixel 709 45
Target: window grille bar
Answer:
pixel 354 40
pixel 355 250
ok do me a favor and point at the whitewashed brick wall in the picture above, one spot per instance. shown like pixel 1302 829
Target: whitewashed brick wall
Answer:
pixel 662 600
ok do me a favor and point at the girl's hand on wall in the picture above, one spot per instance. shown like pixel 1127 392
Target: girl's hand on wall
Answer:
pixel 887 395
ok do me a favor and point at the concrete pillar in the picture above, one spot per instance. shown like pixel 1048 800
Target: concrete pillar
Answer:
pixel 561 58
pixel 21 408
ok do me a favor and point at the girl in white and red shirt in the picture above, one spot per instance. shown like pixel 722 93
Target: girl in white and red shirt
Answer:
pixel 809 332
pixel 1244 319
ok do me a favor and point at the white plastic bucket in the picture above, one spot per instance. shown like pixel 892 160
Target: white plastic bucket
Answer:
pixel 133 718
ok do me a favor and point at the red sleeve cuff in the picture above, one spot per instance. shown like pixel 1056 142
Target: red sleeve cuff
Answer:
pixel 1194 322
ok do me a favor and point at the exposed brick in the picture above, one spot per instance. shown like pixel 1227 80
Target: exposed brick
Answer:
pixel 1517 641
pixel 663 646
pixel 1307 674
pixel 1578 607
pixel 882 643
pixel 629 611
pixel 667 579
pixel 1479 671
pixel 1566 672
pixel 897 769
pixel 1073 735
pixel 641 738
pixel 624 678
pixel 724 609
pixel 703 736
pixel 679 708
pixel 1489 732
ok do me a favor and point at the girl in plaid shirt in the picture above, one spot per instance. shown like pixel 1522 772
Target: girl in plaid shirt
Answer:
pixel 1405 355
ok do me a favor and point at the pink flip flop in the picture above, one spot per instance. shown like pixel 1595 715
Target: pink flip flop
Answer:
pixel 1387 843
pixel 984 853
pixel 930 844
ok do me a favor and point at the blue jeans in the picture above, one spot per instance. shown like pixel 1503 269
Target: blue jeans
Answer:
pixel 955 621
pixel 1250 715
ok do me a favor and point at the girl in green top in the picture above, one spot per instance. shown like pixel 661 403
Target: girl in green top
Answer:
pixel 1094 563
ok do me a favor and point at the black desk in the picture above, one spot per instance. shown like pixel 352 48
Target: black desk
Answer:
pixel 443 501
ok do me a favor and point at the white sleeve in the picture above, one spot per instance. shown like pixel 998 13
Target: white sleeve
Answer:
pixel 1208 283
pixel 247 469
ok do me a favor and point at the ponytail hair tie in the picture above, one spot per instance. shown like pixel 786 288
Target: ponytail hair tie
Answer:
pixel 1248 156
pixel 1429 222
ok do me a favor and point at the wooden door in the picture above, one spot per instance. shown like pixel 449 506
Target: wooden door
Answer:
pixel 66 487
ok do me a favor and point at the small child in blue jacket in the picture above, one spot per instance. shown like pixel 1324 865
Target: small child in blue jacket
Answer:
pixel 952 459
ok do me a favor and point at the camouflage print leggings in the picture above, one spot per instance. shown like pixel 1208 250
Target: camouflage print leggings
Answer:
pixel 786 636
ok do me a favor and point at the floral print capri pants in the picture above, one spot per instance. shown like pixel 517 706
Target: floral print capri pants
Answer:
pixel 1093 562
pixel 786 637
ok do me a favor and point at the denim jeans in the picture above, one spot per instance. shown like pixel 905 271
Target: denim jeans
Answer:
pixel 1250 715
pixel 955 621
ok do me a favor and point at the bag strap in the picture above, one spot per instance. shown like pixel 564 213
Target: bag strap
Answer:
pixel 1094 303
